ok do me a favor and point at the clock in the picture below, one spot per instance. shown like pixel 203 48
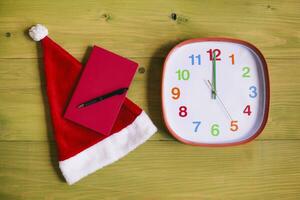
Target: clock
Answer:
pixel 215 92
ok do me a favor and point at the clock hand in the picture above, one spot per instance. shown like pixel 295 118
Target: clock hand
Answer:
pixel 214 84
pixel 209 85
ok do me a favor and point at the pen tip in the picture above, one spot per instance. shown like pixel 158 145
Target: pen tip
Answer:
pixel 80 106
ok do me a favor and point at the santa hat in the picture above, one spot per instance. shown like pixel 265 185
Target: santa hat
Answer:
pixel 82 151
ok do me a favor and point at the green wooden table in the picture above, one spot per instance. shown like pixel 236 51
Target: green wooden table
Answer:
pixel 162 168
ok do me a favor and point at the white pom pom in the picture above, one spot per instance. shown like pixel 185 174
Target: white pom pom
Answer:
pixel 38 32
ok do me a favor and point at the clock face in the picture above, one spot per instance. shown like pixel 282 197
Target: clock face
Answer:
pixel 215 92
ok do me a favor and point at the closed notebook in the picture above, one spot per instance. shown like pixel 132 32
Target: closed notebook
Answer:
pixel 104 73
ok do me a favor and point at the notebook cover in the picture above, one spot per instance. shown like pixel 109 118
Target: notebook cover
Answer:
pixel 104 72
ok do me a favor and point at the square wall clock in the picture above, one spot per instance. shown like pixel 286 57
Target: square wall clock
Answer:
pixel 215 92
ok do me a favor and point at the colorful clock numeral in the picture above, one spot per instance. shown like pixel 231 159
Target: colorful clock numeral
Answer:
pixel 175 92
pixel 183 111
pixel 246 71
pixel 183 74
pixel 247 110
pixel 215 130
pixel 197 123
pixel 253 91
pixel 234 125
pixel 232 58
pixel 217 53
pixel 198 57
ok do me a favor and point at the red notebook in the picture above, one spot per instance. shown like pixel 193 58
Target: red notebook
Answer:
pixel 104 73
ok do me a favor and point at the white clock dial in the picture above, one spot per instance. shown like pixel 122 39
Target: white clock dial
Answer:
pixel 215 92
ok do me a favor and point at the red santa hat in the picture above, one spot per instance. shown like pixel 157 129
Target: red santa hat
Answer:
pixel 82 151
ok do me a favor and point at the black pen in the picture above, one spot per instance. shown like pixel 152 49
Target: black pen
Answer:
pixel 100 98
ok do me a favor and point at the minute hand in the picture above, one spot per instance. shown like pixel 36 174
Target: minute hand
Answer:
pixel 214 81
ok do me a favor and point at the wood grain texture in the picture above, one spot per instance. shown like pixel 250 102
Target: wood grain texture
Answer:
pixel 159 170
pixel 141 28
pixel 162 168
